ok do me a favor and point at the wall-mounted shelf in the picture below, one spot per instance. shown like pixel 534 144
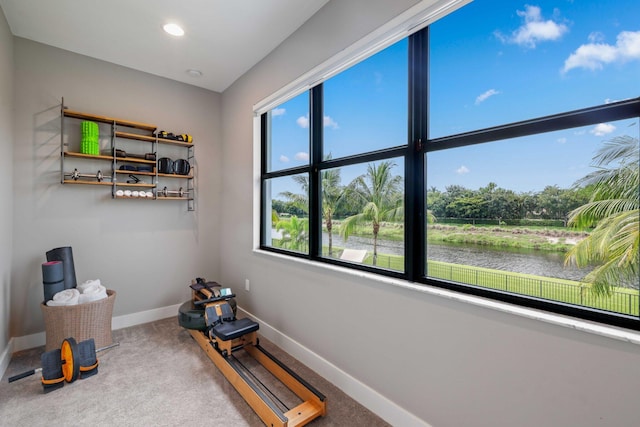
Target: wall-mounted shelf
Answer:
pixel 122 131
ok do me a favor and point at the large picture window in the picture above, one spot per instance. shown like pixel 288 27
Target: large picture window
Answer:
pixel 497 157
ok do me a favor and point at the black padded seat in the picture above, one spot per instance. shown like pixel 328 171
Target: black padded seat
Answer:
pixel 235 329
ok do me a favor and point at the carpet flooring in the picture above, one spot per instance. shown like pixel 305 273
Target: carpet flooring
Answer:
pixel 158 376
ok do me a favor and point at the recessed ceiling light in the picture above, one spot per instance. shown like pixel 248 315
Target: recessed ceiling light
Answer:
pixel 174 29
pixel 194 73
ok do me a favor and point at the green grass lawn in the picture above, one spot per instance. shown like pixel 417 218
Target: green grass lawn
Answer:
pixel 621 300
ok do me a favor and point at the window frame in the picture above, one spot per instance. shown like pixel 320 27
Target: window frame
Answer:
pixel 414 153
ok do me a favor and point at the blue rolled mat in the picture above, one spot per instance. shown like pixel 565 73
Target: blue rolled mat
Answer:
pixel 52 279
pixel 65 254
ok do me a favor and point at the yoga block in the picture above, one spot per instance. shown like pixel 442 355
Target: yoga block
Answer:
pixel 80 322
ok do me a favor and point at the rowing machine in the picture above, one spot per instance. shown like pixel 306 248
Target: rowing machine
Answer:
pixel 220 334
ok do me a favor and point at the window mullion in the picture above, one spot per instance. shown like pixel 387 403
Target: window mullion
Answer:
pixel 414 166
pixel 315 181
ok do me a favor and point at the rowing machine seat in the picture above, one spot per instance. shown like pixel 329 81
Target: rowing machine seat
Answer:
pixel 223 322
pixel 234 329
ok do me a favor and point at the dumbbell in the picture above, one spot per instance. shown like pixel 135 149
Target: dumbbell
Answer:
pixel 68 363
pixel 166 193
pixel 75 175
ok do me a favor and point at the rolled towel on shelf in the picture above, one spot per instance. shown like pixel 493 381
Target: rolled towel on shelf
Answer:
pixel 91 290
pixel 66 297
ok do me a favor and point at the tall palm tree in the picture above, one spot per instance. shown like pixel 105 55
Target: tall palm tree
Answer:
pixel 332 195
pixel 381 192
pixel 614 210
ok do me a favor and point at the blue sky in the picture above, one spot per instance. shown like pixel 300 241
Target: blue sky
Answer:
pixel 492 62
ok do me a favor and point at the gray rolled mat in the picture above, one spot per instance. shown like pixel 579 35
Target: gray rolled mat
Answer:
pixel 52 279
pixel 65 254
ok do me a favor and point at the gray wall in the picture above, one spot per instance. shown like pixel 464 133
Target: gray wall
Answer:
pixel 449 363
pixel 6 177
pixel 144 250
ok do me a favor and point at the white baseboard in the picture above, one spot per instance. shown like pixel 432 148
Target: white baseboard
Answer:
pixel 365 395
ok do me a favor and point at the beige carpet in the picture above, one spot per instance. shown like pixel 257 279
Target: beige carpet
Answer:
pixel 157 376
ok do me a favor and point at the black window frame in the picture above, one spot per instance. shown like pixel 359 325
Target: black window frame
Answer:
pixel 414 152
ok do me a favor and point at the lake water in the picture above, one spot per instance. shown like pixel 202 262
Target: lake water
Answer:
pixel 516 260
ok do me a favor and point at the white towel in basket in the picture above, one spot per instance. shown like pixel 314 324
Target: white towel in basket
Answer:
pixel 66 297
pixel 91 290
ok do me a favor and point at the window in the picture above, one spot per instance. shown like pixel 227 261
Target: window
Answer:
pixel 488 157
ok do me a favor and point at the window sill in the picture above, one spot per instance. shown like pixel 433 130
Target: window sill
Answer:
pixel 613 332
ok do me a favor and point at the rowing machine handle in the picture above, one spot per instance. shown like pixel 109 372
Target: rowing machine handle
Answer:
pixel 22 375
pixel 214 299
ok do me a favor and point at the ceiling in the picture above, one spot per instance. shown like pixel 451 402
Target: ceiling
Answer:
pixel 223 38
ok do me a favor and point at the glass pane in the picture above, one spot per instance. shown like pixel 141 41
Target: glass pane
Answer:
pixel 366 106
pixel 362 213
pixel 522 61
pixel 287 199
pixel 288 134
pixel 502 215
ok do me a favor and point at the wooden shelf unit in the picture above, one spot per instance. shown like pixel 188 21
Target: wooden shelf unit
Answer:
pixel 147 133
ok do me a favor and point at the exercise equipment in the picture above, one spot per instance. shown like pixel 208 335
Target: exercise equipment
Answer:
pixel 165 165
pixel 121 153
pixel 68 363
pixel 75 175
pixel 90 144
pixel 169 166
pixel 213 324
pixel 64 254
pixel 181 167
pixel 167 193
pixel 52 279
pixel 184 137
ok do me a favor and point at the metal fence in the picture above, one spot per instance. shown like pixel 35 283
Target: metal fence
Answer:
pixel 619 300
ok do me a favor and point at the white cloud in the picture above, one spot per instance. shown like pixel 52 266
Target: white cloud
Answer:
pixel 284 159
pixel 486 95
pixel 562 140
pixel 302 156
pixel 534 29
pixel 303 122
pixel 602 129
pixel 329 122
pixel 462 170
pixel 278 112
pixel 594 56
pixel 596 37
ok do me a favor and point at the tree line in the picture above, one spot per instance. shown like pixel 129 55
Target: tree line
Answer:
pixel 495 203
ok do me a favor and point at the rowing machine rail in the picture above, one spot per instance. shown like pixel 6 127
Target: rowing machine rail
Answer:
pixel 312 407
pixel 220 351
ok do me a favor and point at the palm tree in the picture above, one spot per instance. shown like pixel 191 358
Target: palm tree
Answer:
pixel 381 192
pixel 295 234
pixel 301 201
pixel 332 195
pixel 614 210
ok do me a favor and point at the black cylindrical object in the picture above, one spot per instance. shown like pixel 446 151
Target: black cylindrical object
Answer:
pixel 52 279
pixel 65 254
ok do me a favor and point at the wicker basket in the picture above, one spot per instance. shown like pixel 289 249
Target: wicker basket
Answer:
pixel 81 322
